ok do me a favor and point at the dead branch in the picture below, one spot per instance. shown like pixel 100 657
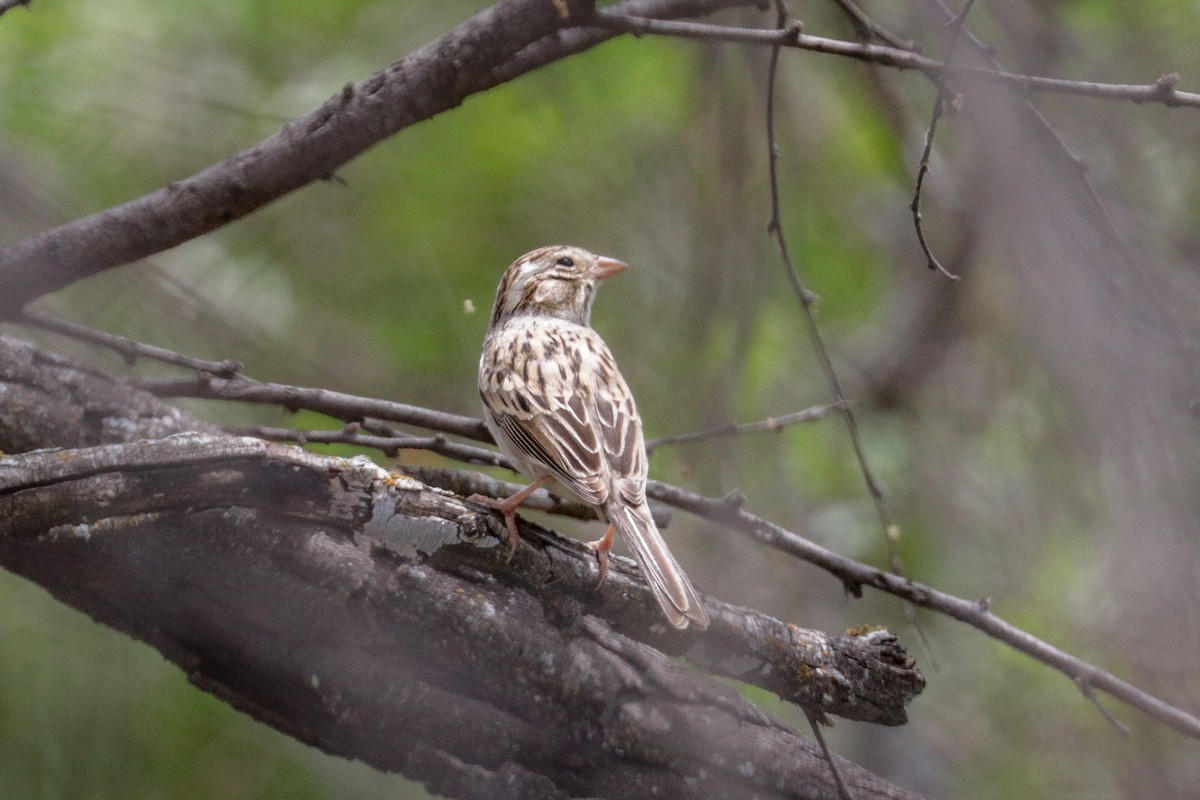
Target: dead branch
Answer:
pixel 295 586
pixel 1161 91
pixel 854 574
pixel 129 349
pixel 735 429
pixel 429 81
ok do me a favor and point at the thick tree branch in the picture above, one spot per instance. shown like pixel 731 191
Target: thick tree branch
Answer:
pixel 853 573
pixel 435 78
pixel 281 579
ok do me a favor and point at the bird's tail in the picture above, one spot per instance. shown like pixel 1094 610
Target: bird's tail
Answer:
pixel 672 589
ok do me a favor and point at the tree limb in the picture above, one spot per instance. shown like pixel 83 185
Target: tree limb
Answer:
pixel 853 573
pixel 433 79
pixel 295 585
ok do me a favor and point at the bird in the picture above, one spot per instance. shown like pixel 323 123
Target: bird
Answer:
pixel 562 413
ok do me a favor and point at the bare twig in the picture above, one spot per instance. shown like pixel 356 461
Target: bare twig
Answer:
pixel 1162 91
pixel 389 445
pixel 814 722
pixel 808 300
pixel 130 349
pixel 1086 688
pixel 481 53
pixel 869 29
pixel 735 429
pixel 347 407
pixel 939 100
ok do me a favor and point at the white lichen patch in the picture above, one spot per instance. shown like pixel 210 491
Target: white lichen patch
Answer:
pixel 59 532
pixel 86 530
pixel 408 535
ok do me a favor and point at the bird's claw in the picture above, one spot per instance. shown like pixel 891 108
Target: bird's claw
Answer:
pixel 601 547
pixel 510 520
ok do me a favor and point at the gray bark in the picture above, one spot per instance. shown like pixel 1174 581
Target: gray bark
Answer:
pixel 378 618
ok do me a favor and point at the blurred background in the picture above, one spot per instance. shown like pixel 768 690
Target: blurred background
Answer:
pixel 1034 423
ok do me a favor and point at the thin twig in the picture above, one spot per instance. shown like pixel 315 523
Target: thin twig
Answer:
pixel 869 29
pixel 939 100
pixel 346 407
pixel 734 429
pixel 1162 91
pixel 808 300
pixel 388 445
pixel 1164 312
pixel 853 574
pixel 814 722
pixel 130 349
pixel 1086 688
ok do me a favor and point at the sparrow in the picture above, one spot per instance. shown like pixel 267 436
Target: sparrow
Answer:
pixel 562 413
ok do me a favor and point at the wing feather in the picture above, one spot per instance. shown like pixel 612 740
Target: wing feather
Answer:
pixel 544 410
pixel 565 407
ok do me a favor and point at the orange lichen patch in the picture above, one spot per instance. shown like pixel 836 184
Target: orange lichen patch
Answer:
pixel 863 630
pixel 395 479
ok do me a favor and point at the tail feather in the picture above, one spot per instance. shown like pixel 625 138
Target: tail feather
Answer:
pixel 672 589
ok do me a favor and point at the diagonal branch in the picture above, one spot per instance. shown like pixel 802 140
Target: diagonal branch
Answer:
pixel 433 79
pixel 129 349
pixel 735 429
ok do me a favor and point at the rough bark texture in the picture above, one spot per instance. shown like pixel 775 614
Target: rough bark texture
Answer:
pixel 377 618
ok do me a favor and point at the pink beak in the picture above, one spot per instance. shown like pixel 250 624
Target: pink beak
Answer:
pixel 605 266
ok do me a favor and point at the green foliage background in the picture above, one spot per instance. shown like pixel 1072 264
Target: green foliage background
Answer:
pixel 653 151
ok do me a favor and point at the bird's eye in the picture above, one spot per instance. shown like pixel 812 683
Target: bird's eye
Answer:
pixel 566 261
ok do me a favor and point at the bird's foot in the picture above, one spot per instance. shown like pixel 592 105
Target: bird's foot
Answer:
pixel 508 507
pixel 509 510
pixel 601 547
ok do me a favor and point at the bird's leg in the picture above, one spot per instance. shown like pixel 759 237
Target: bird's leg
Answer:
pixel 508 507
pixel 601 547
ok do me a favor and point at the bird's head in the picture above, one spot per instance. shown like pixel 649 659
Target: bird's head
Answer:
pixel 557 281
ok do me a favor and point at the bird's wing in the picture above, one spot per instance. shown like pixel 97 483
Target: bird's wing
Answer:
pixel 540 396
pixel 620 428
